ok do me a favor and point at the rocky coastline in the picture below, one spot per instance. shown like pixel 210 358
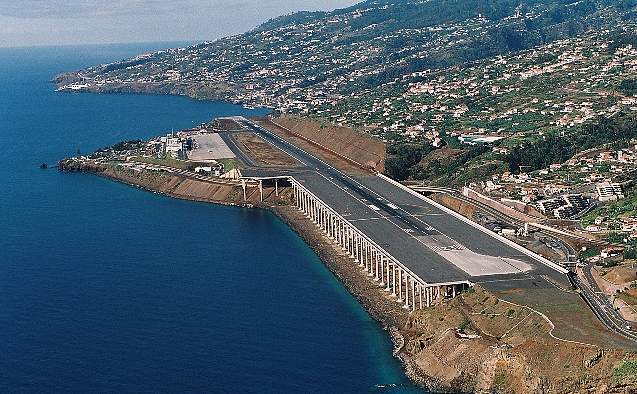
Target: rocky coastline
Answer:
pixel 374 299
pixel 378 303
pixel 474 343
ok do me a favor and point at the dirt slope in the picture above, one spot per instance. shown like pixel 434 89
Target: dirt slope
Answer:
pixel 358 147
pixel 479 343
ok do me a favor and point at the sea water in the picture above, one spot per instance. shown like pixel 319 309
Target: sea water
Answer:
pixel 105 288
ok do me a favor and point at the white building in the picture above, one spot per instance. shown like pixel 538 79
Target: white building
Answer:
pixel 174 146
pixel 609 191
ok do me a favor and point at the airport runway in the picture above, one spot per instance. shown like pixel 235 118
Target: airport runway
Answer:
pixel 433 243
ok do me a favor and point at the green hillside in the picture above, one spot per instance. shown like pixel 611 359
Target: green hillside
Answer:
pixel 411 72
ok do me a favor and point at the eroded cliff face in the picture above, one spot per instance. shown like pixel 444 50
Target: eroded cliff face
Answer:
pixel 477 343
pixel 175 185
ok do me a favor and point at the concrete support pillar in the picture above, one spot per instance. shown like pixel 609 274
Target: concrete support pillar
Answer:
pixel 261 188
pixel 308 208
pixel 312 209
pixel 364 262
pixel 352 250
pixel 453 289
pixel 324 219
pixel 400 285
pixel 276 187
pixel 406 290
pixel 345 241
pixel 356 239
pixel 306 204
pixel 333 226
pixel 393 292
pixel 303 205
pixel 330 225
pixel 383 269
pixel 428 293
pixel 326 222
pixel 377 277
pixel 413 294
pixel 387 281
pixel 420 295
pixel 343 236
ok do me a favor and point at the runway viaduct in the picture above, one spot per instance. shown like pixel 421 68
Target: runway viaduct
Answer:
pixel 414 248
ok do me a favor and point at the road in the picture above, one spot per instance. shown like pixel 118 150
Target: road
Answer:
pixel 436 245
pixel 601 304
pixel 514 222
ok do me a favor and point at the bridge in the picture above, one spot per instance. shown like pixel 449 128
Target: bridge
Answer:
pixel 416 249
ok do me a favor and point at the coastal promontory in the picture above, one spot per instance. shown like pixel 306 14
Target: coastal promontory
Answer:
pixel 512 341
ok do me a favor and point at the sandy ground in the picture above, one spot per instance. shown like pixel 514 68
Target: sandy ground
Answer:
pixel 263 152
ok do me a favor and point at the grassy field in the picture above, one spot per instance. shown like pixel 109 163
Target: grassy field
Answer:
pixel 572 318
pixel 228 164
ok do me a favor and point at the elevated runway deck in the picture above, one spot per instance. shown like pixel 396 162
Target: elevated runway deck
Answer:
pixel 434 244
pixel 437 246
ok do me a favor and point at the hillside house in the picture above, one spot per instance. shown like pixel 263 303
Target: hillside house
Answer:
pixel 607 191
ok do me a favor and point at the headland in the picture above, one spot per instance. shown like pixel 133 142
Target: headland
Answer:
pixel 510 341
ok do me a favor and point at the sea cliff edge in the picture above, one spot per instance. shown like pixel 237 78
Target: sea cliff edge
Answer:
pixel 451 347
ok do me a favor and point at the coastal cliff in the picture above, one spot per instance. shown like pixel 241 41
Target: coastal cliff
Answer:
pixel 220 191
pixel 476 343
pixel 481 344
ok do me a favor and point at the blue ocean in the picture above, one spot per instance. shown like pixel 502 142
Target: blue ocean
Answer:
pixel 105 288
